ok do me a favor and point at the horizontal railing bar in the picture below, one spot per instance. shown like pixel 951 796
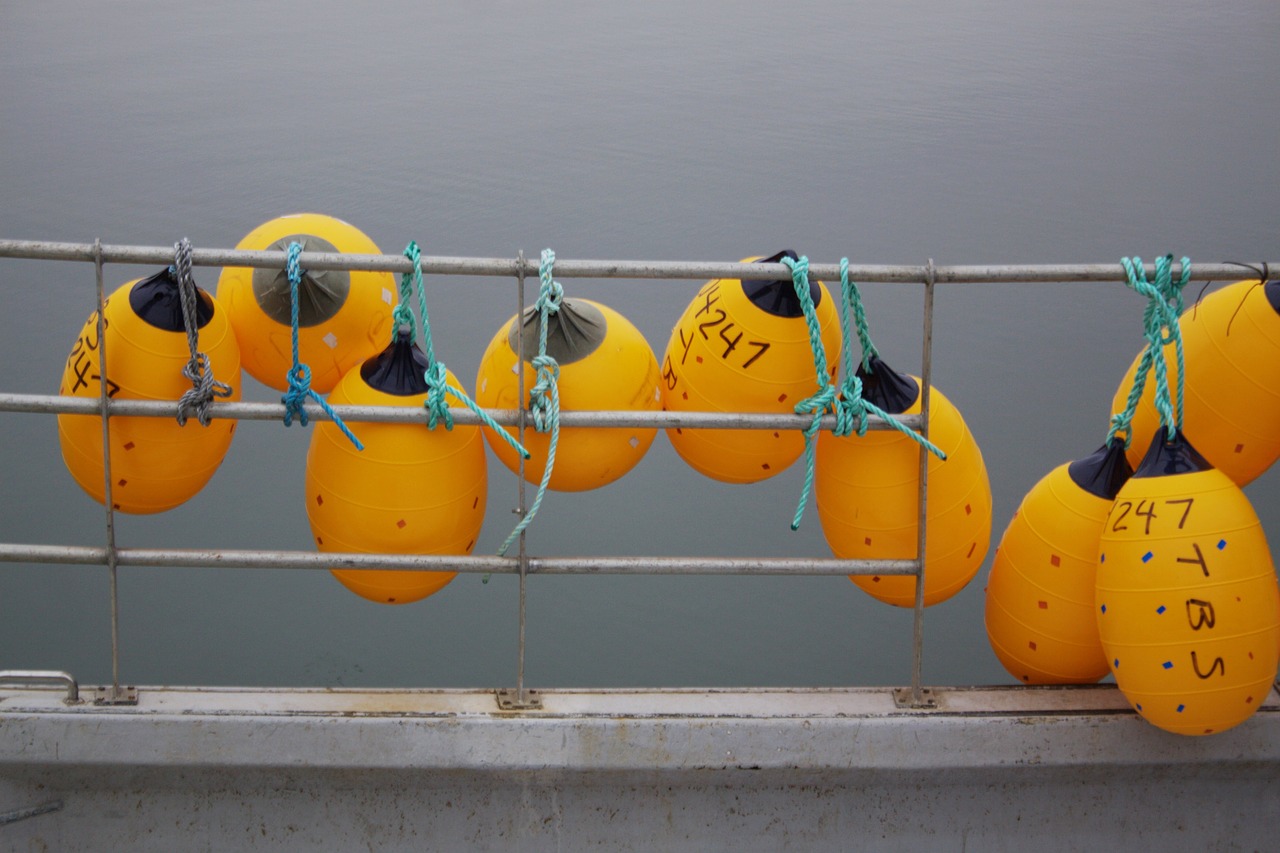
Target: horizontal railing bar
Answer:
pixel 473 564
pixel 573 268
pixel 55 404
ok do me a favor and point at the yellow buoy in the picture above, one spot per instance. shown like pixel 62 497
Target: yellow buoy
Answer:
pixel 1039 597
pixel 343 317
pixel 605 365
pixel 866 491
pixel 743 346
pixel 1187 605
pixel 155 463
pixel 1231 341
pixel 412 490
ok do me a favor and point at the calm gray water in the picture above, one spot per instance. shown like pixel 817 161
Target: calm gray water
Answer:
pixel 983 132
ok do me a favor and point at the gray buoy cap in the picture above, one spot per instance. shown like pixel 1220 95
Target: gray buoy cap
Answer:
pixel 321 294
pixel 573 332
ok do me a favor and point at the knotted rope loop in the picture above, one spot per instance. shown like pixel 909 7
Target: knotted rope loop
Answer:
pixel 299 375
pixel 1160 329
pixel 204 388
pixel 848 405
pixel 544 396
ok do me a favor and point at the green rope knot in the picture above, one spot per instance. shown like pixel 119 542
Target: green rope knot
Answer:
pixel 849 406
pixel 299 375
pixel 1160 329
pixel 437 402
pixel 544 396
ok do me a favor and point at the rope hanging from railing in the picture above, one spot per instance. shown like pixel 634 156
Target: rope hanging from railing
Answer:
pixel 544 397
pixel 299 376
pixel 438 389
pixel 1160 328
pixel 204 388
pixel 847 404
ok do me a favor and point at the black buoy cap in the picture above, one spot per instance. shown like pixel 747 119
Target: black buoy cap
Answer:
pixel 887 388
pixel 1102 472
pixel 157 301
pixel 1170 455
pixel 573 332
pixel 778 297
pixel 1272 289
pixel 398 369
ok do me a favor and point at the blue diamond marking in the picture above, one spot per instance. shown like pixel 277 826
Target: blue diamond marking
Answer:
pixel 1161 609
pixel 1167 664
pixel 1222 543
pixel 1146 558
pixel 1104 608
pixel 1139 707
pixel 1181 708
pixel 1116 662
pixel 1102 559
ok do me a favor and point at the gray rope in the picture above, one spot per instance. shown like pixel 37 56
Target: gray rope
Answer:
pixel 204 388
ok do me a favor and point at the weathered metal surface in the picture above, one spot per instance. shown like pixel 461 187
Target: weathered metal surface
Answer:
pixel 994 769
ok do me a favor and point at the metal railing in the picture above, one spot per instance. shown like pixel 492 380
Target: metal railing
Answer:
pixel 522 564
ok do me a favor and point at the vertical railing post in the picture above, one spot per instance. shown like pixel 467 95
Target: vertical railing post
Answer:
pixel 926 379
pixel 104 400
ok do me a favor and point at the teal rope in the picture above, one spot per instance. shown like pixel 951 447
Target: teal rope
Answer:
pixel 1160 329
pixel 299 376
pixel 544 397
pixel 436 374
pixel 849 407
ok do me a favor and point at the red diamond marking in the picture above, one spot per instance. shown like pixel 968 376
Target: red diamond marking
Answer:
pixel 319 500
pixel 1239 448
pixel 968 509
pixel 698 358
pixel 401 523
pixel 679 431
pixel 1248 700
pixel 973 546
pixel 1026 678
pixel 1044 605
pixel 129 445
pixel 875 579
pixel 1208 731
pixel 765 466
pixel 782 397
pixel 123 483
pixel 684 395
pixel 776 435
pixel 115 506
pixel 475 503
pixel 1055 560
pixel 867 541
pixel 1032 645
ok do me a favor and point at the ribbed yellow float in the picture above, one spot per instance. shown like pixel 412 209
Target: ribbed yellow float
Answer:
pixel 1231 341
pixel 866 491
pixel 1187 605
pixel 605 365
pixel 343 317
pixel 155 463
pixel 1039 596
pixel 743 346
pixel 412 490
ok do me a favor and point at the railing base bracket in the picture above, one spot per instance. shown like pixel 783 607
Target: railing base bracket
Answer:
pixel 902 698
pixel 115 696
pixel 510 700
